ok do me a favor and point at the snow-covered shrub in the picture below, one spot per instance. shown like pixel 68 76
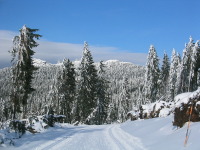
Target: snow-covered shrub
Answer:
pixel 18 126
pixel 133 115
pixel 36 124
pixel 51 119
pixel 156 109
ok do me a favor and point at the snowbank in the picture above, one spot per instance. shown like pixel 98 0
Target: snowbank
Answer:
pixel 182 98
pixel 160 134
pixel 163 108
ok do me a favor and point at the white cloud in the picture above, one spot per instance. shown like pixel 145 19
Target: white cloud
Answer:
pixel 5 46
pixel 53 51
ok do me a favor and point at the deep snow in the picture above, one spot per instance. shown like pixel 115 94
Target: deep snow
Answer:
pixel 151 134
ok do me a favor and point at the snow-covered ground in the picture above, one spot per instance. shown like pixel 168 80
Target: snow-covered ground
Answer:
pixel 150 134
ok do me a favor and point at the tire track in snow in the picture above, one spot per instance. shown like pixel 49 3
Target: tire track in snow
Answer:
pixel 123 140
pixel 115 140
pixel 131 140
pixel 53 143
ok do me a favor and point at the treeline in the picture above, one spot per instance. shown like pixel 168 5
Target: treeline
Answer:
pixel 175 77
pixel 88 92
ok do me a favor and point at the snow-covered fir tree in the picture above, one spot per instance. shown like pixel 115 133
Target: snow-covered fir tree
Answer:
pixel 53 99
pixel 164 76
pixel 194 67
pixel 186 66
pixel 46 98
pixel 143 85
pixel 151 76
pixel 178 75
pixel 87 88
pixel 23 68
pixel 124 104
pixel 172 76
pixel 102 95
pixel 67 89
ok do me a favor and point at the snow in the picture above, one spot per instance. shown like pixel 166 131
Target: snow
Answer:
pixel 165 108
pixel 164 112
pixel 134 113
pixel 182 98
pixel 195 93
pixel 39 62
pixel 110 62
pixel 198 103
pixel 150 134
pixel 159 133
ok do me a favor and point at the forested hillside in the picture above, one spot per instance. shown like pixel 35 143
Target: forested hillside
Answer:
pixel 88 92
pixel 46 84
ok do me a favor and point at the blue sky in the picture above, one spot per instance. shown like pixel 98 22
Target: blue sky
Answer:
pixel 118 26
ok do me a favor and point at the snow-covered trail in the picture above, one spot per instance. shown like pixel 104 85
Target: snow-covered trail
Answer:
pixel 109 137
pixel 150 134
pixel 104 137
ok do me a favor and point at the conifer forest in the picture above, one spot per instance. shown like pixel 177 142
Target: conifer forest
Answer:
pixel 91 92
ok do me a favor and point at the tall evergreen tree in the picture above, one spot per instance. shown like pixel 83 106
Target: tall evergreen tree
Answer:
pixel 164 76
pixel 87 89
pixel 178 75
pixel 194 66
pixel 124 101
pixel 151 76
pixel 67 89
pixel 23 68
pixel 172 76
pixel 185 69
pixel 102 95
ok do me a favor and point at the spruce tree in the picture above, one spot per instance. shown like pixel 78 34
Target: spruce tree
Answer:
pixel 185 69
pixel 124 101
pixel 23 68
pixel 172 76
pixel 178 76
pixel 67 89
pixel 151 76
pixel 194 67
pixel 164 76
pixel 87 88
pixel 102 95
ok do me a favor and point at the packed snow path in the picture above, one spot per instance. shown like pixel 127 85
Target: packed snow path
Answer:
pixel 150 134
pixel 104 137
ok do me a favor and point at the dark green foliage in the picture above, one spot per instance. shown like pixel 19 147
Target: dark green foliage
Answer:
pixel 113 113
pixel 67 89
pixel 190 66
pixel 125 100
pixel 151 76
pixel 18 126
pixel 49 119
pixel 194 67
pixel 23 68
pixel 164 76
pixel 87 88
pixel 102 96
pixel 173 74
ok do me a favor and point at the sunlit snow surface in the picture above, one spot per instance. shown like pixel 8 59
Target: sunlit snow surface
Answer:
pixel 151 134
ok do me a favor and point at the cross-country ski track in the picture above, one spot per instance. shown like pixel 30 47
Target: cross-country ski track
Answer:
pixel 150 134
pixel 104 137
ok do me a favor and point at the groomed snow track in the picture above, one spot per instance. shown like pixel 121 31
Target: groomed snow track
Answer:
pixel 104 137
